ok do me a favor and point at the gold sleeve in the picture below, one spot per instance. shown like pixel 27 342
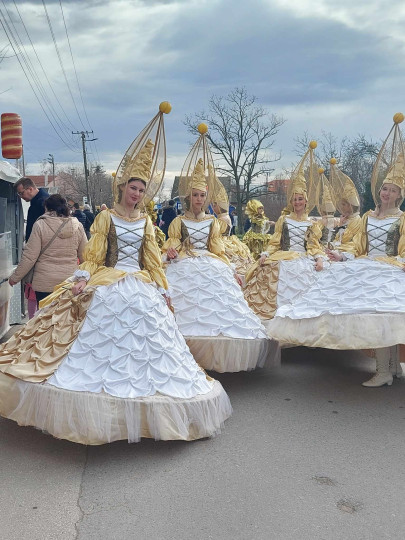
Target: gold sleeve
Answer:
pixel 401 243
pixel 151 259
pixel 160 236
pixel 314 246
pixel 174 235
pixel 352 229
pixel 215 244
pixel 223 226
pixel 358 246
pixel 275 240
pixel 96 249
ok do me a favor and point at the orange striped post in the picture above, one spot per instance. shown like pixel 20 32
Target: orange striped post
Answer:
pixel 11 136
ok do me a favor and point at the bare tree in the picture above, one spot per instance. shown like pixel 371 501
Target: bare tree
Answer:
pixel 73 186
pixel 241 134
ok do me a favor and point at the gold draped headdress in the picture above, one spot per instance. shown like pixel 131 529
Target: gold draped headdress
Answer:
pixel 324 200
pixel 198 171
pixel 252 208
pixel 389 166
pixel 220 195
pixel 343 187
pixel 304 180
pixel 145 158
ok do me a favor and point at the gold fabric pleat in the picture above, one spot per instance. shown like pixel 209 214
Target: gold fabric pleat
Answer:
pixel 35 352
pixel 261 290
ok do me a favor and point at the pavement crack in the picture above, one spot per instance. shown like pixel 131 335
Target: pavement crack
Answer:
pixel 81 511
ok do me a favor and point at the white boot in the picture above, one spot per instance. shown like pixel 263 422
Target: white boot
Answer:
pixel 383 375
pixel 395 364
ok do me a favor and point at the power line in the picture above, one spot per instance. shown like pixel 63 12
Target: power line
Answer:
pixel 30 67
pixel 10 37
pixel 77 78
pixel 61 62
pixel 43 70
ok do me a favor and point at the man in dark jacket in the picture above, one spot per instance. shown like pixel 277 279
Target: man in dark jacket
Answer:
pixel 78 214
pixel 167 217
pixel 89 219
pixel 29 192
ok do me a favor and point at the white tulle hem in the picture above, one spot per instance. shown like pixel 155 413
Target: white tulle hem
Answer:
pixel 228 355
pixel 98 418
pixel 354 331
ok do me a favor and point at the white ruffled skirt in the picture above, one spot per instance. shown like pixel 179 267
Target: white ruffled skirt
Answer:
pixel 129 374
pixel 354 304
pixel 221 330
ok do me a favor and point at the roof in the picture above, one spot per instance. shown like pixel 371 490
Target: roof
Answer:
pixel 8 172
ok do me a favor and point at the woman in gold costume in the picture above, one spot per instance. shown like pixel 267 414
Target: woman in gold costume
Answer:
pixel 359 303
pixel 348 203
pixel 236 251
pixel 289 262
pixel 104 359
pixel 221 330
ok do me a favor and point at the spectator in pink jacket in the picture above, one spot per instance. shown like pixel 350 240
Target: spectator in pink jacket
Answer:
pixel 59 259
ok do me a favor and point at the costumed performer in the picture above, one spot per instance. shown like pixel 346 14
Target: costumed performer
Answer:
pixel 359 303
pixel 294 254
pixel 236 251
pixel 221 330
pixel 348 204
pixel 257 236
pixel 104 359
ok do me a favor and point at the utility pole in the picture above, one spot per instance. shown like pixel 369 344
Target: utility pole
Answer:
pixel 86 171
pixel 51 160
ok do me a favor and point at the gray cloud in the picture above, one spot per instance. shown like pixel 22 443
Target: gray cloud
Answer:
pixel 132 55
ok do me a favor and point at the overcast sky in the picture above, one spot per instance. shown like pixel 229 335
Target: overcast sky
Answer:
pixel 332 65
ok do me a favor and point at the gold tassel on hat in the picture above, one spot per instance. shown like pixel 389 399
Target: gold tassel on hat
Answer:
pixel 137 167
pixel 299 185
pixel 198 180
pixel 219 196
pixel 396 175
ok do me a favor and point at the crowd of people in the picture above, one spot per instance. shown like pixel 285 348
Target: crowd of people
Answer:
pixel 135 305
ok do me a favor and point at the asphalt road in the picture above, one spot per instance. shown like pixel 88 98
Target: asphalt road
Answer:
pixel 308 454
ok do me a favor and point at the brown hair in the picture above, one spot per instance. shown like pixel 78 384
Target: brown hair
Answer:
pixel 57 203
pixel 25 183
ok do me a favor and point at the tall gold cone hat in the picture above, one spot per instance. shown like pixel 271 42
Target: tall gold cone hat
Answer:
pixel 198 171
pixel 145 158
pixel 324 201
pixel 343 187
pixel 388 168
pixel 304 180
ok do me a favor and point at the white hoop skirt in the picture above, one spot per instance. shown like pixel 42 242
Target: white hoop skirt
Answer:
pixel 221 330
pixel 128 374
pixel 356 304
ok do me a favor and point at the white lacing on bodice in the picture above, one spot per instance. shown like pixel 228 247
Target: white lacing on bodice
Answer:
pixel 129 240
pixel 199 232
pixel 377 231
pixel 297 231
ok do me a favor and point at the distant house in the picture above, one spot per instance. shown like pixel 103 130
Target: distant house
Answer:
pixel 45 181
pixel 278 185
